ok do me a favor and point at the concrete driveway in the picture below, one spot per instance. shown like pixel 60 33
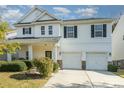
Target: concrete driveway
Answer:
pixel 69 79
pixel 84 79
pixel 105 79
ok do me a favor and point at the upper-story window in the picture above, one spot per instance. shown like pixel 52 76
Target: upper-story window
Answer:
pixel 42 30
pixel 50 28
pixel 70 31
pixel 26 30
pixel 98 30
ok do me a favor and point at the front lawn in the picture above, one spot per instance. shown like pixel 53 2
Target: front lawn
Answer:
pixel 20 80
pixel 120 73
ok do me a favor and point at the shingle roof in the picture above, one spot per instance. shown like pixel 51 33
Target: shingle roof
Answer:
pixel 86 19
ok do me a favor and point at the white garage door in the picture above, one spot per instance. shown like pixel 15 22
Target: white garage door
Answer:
pixel 96 61
pixel 71 60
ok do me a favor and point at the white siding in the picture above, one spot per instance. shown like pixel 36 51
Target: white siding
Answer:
pixel 56 30
pixel 117 40
pixel 45 17
pixel 36 31
pixel 84 42
pixel 32 16
pixel 20 32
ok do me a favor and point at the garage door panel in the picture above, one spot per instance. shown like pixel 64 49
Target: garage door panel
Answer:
pixel 96 61
pixel 71 60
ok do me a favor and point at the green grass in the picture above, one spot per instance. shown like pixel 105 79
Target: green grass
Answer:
pixel 20 80
pixel 120 73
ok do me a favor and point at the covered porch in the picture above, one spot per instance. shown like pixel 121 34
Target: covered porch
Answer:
pixel 36 48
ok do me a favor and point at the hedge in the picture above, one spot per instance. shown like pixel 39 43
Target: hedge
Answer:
pixel 112 68
pixel 44 66
pixel 12 66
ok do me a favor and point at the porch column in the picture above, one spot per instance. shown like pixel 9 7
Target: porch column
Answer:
pixel 30 52
pixel 54 54
pixel 9 57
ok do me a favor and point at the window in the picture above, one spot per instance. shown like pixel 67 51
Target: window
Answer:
pixel 98 30
pixel 48 54
pixel 26 30
pixel 42 30
pixel 70 32
pixel 50 30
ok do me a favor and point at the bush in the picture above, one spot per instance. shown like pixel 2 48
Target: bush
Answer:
pixel 21 59
pixel 55 67
pixel 28 63
pixel 112 68
pixel 12 66
pixel 44 66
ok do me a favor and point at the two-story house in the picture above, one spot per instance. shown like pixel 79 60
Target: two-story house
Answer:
pixel 77 43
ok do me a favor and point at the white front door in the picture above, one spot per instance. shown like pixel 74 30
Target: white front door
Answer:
pixel 96 61
pixel 71 60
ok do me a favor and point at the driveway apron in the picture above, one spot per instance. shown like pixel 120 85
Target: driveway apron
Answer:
pixel 69 79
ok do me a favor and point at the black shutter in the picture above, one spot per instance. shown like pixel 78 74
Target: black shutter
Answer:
pixel 104 30
pixel 92 31
pixel 65 31
pixel 30 30
pixel 75 31
pixel 23 31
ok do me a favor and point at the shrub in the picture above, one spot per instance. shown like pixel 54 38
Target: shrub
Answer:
pixel 55 67
pixel 12 66
pixel 44 66
pixel 112 68
pixel 28 63
pixel 21 58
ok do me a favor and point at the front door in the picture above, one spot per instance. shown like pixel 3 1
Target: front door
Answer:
pixel 48 54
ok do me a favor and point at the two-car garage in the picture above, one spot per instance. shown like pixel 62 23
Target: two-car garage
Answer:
pixel 94 60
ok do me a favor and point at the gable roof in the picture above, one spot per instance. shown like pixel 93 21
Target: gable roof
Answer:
pixel 35 14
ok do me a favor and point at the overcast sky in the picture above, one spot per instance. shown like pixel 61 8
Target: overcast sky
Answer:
pixel 12 13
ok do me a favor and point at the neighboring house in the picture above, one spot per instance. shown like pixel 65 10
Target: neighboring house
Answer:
pixel 77 43
pixel 118 42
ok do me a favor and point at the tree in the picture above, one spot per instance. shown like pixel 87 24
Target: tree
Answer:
pixel 4 46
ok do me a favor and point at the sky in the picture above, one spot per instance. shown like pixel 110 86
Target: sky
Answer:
pixel 12 13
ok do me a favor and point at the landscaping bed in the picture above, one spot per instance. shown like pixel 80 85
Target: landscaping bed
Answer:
pixel 26 74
